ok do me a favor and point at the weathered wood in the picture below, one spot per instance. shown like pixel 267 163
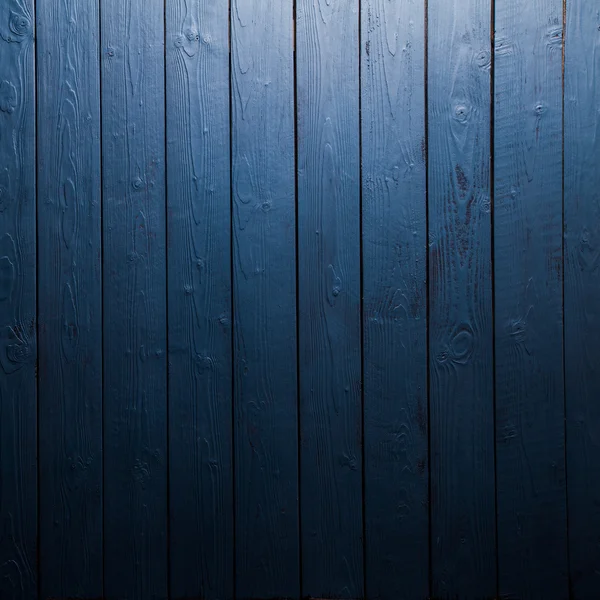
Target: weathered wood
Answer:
pixel 135 374
pixel 329 297
pixel 18 354
pixel 460 287
pixel 200 460
pixel 70 300
pixel 532 543
pixel 264 267
pixel 582 291
pixel 395 299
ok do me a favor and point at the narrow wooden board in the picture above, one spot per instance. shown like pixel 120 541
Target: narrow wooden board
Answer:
pixel 200 434
pixel 460 287
pixel 70 299
pixel 18 351
pixel 395 299
pixel 264 268
pixel 135 369
pixel 582 291
pixel 327 68
pixel 532 533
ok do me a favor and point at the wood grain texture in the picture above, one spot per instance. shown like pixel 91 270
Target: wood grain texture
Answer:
pixel 582 291
pixel 460 284
pixel 329 297
pixel 532 542
pixel 395 299
pixel 264 267
pixel 18 353
pixel 70 300
pixel 200 460
pixel 135 374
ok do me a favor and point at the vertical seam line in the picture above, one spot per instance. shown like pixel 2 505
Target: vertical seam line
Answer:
pixel 427 296
pixel 297 229
pixel 101 141
pixel 167 369
pixel 37 296
pixel 563 255
pixel 232 303
pixel 493 276
pixel 361 305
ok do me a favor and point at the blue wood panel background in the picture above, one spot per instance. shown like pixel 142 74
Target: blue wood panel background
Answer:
pixel 329 297
pixel 134 300
pixel 199 312
pixel 299 299
pixel 532 531
pixel 267 548
pixel 463 537
pixel 394 223
pixel 582 291
pixel 18 308
pixel 70 299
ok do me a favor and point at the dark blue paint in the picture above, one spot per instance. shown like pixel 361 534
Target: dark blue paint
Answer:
pixel 169 389
pixel 18 347
pixel 395 300
pixel 134 260
pixel 329 298
pixel 463 536
pixel 530 451
pixel 582 291
pixel 70 300
pixel 264 300
pixel 200 452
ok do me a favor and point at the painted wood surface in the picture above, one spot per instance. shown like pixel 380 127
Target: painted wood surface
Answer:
pixel 295 274
pixel 329 297
pixel 394 223
pixel 582 291
pixel 460 290
pixel 200 352
pixel 532 545
pixel 135 369
pixel 70 300
pixel 264 300
pixel 18 344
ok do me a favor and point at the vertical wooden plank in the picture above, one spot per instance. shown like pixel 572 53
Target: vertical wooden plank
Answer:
pixel 532 543
pixel 135 408
pixel 329 297
pixel 582 291
pixel 70 301
pixel 201 477
pixel 264 267
pixel 461 334
pixel 395 299
pixel 18 353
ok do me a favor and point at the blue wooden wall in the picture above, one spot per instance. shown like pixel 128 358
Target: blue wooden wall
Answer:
pixel 299 299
